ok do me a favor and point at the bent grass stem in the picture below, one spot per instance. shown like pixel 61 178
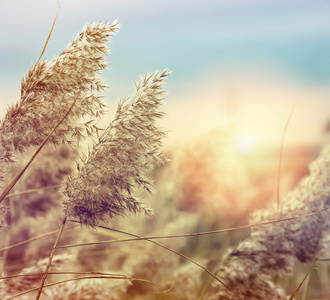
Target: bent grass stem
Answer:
pixel 50 259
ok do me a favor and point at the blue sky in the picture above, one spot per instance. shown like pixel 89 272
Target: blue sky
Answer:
pixel 213 48
pixel 186 36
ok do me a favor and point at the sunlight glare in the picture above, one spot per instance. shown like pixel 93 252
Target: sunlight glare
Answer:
pixel 245 144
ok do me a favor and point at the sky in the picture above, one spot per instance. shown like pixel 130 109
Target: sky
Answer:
pixel 241 63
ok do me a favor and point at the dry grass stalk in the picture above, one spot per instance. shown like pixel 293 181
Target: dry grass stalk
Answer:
pixel 120 161
pixel 272 250
pixel 50 88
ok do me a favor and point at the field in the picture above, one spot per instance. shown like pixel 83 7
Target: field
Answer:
pixel 93 212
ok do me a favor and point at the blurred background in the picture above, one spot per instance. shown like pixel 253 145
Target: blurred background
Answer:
pixel 240 62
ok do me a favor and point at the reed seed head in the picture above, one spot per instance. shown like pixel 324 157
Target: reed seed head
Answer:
pixel 49 89
pixel 120 161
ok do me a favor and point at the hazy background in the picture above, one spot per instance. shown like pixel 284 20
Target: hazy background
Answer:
pixel 242 62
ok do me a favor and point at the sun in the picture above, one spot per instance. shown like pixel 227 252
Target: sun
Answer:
pixel 245 144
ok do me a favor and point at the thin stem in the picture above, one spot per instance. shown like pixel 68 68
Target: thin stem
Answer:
pixel 33 239
pixel 112 275
pixel 19 175
pixel 32 191
pixel 180 254
pixel 309 275
pixel 281 154
pixel 78 278
pixel 301 283
pixel 50 259
pixel 191 234
pixel 50 33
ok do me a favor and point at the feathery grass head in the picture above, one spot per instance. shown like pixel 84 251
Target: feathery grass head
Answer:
pixel 50 88
pixel 13 285
pixel 273 249
pixel 119 163
pixel 91 289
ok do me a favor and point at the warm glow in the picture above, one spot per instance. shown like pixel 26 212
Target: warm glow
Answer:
pixel 245 144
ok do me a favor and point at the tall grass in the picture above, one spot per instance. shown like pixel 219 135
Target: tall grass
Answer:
pixel 71 225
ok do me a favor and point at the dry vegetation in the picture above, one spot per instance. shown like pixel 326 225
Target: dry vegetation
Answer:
pixel 70 221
